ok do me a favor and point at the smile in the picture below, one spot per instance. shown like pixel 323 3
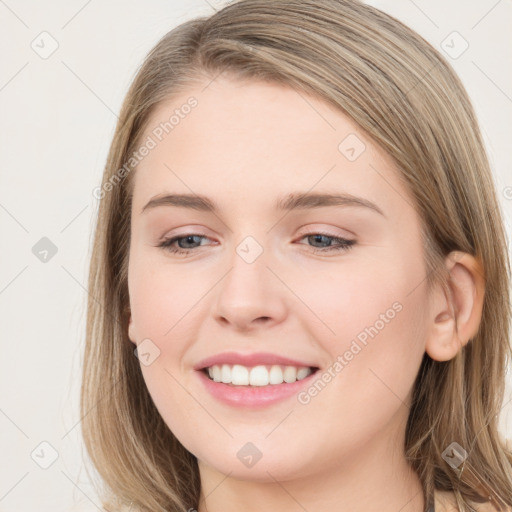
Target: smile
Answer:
pixel 261 375
pixel 251 396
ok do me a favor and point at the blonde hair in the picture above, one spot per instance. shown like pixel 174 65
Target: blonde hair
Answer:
pixel 407 98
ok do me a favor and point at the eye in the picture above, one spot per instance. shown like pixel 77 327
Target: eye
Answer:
pixel 168 243
pixel 184 241
pixel 342 243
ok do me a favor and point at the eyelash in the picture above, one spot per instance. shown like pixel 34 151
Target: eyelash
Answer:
pixel 344 244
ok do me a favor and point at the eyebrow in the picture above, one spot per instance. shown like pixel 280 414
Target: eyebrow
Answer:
pixel 293 201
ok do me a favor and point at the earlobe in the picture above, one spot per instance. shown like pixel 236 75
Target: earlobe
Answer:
pixel 456 313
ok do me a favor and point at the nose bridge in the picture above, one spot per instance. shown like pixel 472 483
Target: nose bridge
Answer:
pixel 248 276
pixel 248 292
pixel 250 249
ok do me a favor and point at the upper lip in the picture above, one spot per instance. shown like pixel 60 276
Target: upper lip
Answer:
pixel 254 359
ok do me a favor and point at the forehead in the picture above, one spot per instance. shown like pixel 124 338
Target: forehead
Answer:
pixel 247 140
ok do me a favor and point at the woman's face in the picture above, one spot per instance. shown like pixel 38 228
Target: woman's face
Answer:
pixel 256 278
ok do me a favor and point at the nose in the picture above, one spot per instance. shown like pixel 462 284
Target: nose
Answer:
pixel 250 295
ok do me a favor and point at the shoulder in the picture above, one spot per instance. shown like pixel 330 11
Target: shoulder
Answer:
pixel 445 502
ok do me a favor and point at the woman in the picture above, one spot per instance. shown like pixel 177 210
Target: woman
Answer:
pixel 338 337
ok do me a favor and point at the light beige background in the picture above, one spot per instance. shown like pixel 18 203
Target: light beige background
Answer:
pixel 57 116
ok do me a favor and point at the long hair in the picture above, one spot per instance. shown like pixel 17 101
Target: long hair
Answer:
pixel 407 98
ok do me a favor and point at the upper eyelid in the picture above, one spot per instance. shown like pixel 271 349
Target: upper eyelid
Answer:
pixel 311 230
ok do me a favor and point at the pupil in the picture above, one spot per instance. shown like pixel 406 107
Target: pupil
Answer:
pixel 318 238
pixel 189 239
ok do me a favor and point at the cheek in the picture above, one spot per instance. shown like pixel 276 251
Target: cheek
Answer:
pixel 165 308
pixel 373 324
pixel 161 298
pixel 379 320
pixel 161 306
pixel 358 298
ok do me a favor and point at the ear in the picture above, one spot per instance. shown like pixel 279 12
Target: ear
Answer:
pixel 456 312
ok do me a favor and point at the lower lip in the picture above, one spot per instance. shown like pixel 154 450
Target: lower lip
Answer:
pixel 254 396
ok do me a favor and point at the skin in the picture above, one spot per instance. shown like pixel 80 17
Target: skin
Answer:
pixel 245 145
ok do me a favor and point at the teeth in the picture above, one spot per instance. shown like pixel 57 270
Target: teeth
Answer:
pixel 258 376
pixel 239 375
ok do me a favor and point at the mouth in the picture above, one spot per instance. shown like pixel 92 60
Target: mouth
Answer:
pixel 255 387
pixel 257 376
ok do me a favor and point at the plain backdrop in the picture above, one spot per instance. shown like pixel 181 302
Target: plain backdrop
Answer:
pixel 57 118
